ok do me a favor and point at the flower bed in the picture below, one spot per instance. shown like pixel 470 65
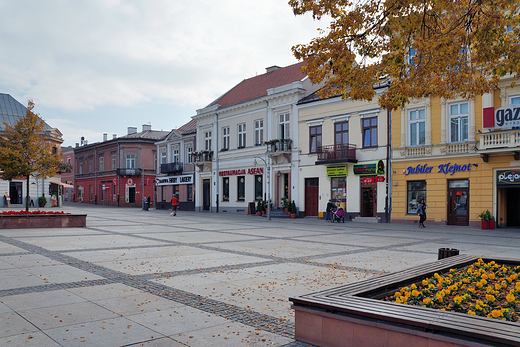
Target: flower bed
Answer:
pixel 40 219
pixel 480 289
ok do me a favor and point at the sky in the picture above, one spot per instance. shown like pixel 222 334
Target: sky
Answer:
pixel 100 66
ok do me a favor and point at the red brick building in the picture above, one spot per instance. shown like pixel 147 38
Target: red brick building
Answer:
pixel 118 172
pixel 67 156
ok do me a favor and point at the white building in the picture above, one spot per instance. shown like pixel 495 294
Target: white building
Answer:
pixel 247 141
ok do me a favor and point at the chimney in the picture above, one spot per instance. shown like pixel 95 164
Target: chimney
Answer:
pixel 132 130
pixel 271 68
pixel 77 144
pixel 105 135
pixel 114 136
pixel 147 127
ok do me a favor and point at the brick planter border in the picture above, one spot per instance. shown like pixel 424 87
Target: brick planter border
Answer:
pixel 353 315
pixel 43 221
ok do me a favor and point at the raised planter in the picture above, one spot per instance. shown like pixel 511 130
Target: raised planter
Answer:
pixel 353 315
pixel 43 221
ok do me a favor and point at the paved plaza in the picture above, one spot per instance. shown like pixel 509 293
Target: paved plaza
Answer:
pixel 144 278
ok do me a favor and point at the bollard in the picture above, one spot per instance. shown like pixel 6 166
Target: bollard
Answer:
pixel 447 252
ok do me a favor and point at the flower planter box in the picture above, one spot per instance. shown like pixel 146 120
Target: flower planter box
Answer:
pixel 484 224
pixel 491 224
pixel 353 315
pixel 42 221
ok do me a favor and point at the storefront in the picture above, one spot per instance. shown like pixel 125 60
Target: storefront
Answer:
pixel 371 175
pixel 240 186
pixel 182 186
pixel 508 197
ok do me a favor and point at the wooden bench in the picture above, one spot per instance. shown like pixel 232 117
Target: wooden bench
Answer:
pixel 359 302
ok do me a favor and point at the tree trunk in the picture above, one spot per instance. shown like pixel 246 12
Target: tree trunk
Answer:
pixel 27 198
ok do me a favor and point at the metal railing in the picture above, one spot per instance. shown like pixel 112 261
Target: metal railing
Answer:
pixel 128 172
pixel 337 152
pixel 172 167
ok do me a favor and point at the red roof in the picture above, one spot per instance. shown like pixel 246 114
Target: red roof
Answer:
pixel 257 86
pixel 188 128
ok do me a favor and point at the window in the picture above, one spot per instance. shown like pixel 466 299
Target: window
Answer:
pixel 341 133
pixel 130 161
pixel 113 161
pixel 259 184
pixel 68 160
pixel 90 166
pixel 154 159
pixel 81 167
pixel 459 115
pixel 284 126
pixel 101 164
pixel 113 189
pixel 514 100
pixel 259 132
pixel 241 135
pixel 91 193
pixel 225 189
pixel 370 132
pixel 417 123
pixel 207 141
pixel 241 188
pixel 189 149
pixel 416 192
pixel 163 157
pixel 225 138
pixel 314 138
pixel 163 193
pixel 411 55
pixel 190 192
pixel 175 155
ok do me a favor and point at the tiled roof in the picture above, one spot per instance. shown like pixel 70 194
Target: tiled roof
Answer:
pixel 147 135
pixel 257 86
pixel 11 110
pixel 188 128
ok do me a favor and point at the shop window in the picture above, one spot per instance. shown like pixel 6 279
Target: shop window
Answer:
pixel 259 132
pixel 314 138
pixel 241 188
pixel 225 138
pixel 417 124
pixel 225 189
pixel 259 184
pixel 339 191
pixel 241 135
pixel 370 132
pixel 416 192
pixel 341 133
pixel 190 192
pixel 459 116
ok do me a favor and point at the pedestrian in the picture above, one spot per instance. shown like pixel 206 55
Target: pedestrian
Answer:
pixel 330 207
pixel 421 211
pixel 175 201
pixel 144 203
pixel 148 203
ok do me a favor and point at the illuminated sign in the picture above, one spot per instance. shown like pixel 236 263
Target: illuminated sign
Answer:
pixel 370 169
pixel 337 171
pixel 508 178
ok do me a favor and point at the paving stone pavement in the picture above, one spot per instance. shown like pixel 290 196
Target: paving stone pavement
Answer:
pixel 145 278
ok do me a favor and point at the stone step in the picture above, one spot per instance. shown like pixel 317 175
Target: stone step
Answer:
pixel 360 219
pixel 277 213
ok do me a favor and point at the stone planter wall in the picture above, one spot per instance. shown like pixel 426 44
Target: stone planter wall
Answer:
pixel 43 221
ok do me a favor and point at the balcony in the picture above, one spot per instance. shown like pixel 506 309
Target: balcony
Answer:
pixel 202 157
pixel 128 172
pixel 279 146
pixel 500 139
pixel 336 153
pixel 172 168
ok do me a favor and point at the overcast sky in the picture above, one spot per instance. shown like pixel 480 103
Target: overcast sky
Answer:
pixel 99 66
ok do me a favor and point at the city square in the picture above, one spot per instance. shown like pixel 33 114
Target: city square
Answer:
pixel 134 277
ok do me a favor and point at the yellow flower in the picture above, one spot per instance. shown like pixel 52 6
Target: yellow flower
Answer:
pixel 490 297
pixel 496 313
pixel 483 281
pixel 415 293
pixel 485 277
pixel 478 307
pixel 510 298
pixel 473 313
pixel 397 294
pixel 427 300
pixel 413 286
pixel 472 290
pixel 457 299
pixel 425 282
pixel 492 276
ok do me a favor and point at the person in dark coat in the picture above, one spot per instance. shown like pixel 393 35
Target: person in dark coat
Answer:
pixel 330 208
pixel 421 211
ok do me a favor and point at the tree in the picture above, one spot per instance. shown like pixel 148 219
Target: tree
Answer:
pixel 26 151
pixel 427 48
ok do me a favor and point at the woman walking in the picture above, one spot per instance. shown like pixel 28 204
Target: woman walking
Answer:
pixel 330 207
pixel 421 211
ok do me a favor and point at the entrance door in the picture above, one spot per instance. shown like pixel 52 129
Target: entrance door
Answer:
pixel 206 194
pixel 458 202
pixel 513 206
pixel 15 192
pixel 311 196
pixel 131 195
pixel 368 201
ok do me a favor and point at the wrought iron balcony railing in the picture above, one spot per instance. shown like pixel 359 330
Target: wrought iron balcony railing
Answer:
pixel 280 145
pixel 172 167
pixel 202 157
pixel 336 153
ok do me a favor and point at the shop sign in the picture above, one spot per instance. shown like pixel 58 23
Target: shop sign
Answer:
pixel 337 171
pixel 184 179
pixel 250 171
pixel 373 179
pixel 443 168
pixel 507 178
pixel 129 181
pixel 114 181
pixel 370 169
pixel 507 116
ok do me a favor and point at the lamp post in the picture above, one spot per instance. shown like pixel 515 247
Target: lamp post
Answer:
pixel 268 181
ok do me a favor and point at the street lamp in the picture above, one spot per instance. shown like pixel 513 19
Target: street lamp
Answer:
pixel 268 181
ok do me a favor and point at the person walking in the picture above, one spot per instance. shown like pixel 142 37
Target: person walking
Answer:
pixel 421 211
pixel 330 207
pixel 175 201
pixel 144 203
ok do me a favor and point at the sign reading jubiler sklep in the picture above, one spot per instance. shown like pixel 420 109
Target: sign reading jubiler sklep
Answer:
pixel 443 168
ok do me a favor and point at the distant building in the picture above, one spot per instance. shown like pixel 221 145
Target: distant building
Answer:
pixel 117 172
pixel 10 112
pixel 67 178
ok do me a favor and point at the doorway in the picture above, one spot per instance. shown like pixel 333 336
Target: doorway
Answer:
pixel 458 202
pixel 131 195
pixel 513 206
pixel 368 200
pixel 311 197
pixel 206 194
pixel 15 192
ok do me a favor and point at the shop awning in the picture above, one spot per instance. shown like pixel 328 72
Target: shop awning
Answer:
pixel 65 185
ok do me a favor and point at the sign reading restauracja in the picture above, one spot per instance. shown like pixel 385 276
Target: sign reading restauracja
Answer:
pixel 250 171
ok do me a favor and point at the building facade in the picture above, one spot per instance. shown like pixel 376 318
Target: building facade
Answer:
pixel 118 172
pixel 175 168
pixel 247 140
pixel 462 156
pixel 343 156
pixel 67 177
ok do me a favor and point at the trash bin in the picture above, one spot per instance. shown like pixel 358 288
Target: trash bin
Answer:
pixel 447 252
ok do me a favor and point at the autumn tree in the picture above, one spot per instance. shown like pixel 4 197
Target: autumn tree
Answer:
pixel 441 48
pixel 25 150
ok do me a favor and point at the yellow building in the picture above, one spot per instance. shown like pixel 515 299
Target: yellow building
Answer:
pixel 461 156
